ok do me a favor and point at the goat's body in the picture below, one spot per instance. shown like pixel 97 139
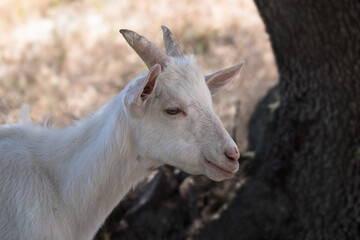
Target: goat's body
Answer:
pixel 62 184
pixel 28 198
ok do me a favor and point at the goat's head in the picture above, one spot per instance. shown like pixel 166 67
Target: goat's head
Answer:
pixel 171 110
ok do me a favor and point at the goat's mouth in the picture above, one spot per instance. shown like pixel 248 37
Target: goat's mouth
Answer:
pixel 222 171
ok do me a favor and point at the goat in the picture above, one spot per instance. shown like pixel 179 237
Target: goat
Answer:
pixel 62 184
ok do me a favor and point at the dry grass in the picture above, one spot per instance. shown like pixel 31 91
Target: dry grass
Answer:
pixel 66 58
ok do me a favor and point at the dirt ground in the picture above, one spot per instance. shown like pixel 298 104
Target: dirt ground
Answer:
pixel 64 59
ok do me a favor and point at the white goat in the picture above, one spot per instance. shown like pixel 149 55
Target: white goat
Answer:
pixel 62 184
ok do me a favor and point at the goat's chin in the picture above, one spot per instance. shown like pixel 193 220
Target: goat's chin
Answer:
pixel 193 172
pixel 217 174
pixel 191 168
pixel 217 178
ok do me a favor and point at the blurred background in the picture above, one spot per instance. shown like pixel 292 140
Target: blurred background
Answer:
pixel 65 58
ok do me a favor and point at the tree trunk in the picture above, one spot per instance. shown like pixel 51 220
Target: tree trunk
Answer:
pixel 305 180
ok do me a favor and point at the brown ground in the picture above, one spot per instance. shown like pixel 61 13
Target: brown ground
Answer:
pixel 66 58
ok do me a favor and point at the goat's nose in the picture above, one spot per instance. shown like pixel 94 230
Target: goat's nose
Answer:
pixel 232 153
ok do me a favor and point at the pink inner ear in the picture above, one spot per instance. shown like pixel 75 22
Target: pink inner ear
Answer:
pixel 147 91
pixel 224 77
pixel 151 82
pixel 218 81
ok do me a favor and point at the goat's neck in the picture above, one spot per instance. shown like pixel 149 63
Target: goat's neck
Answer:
pixel 104 165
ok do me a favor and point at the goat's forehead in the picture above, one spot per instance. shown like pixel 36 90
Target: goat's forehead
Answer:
pixel 183 79
pixel 183 70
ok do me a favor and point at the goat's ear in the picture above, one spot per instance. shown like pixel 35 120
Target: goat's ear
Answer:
pixel 139 92
pixel 149 83
pixel 220 79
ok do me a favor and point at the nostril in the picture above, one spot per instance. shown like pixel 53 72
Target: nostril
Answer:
pixel 229 157
pixel 232 154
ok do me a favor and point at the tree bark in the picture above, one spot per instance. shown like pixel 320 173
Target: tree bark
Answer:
pixel 304 182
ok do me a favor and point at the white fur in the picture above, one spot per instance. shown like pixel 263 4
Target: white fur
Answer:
pixel 62 184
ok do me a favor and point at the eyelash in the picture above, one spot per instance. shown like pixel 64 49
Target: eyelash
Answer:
pixel 173 111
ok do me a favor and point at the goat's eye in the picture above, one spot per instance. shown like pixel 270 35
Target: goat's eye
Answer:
pixel 173 111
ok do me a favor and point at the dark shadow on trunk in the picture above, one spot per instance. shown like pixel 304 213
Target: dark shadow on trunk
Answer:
pixel 304 182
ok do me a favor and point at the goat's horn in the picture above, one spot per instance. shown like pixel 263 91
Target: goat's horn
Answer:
pixel 171 45
pixel 148 52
